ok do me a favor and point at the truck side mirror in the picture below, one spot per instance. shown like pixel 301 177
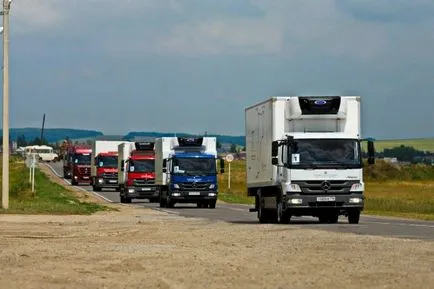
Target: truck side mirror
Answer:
pixel 274 149
pixel 122 165
pixel 371 153
pixel 274 161
pixel 222 166
pixel 164 166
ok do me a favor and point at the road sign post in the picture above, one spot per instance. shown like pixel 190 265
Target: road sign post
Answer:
pixel 229 158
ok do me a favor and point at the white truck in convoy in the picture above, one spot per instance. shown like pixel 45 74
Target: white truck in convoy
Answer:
pixel 104 164
pixel 304 158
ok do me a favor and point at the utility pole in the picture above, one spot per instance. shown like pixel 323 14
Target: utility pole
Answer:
pixel 5 170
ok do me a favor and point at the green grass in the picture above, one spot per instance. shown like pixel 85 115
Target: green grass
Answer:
pixel 48 198
pixel 406 191
pixel 419 144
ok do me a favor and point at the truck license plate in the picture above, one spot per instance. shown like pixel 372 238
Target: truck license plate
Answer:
pixel 146 189
pixel 194 193
pixel 112 181
pixel 326 199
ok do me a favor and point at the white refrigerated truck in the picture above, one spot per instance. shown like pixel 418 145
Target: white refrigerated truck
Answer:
pixel 304 158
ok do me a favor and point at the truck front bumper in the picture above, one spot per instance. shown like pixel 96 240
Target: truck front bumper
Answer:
pixel 193 197
pixel 314 203
pixel 82 179
pixel 142 192
pixel 106 182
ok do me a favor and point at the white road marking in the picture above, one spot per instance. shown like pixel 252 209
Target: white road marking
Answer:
pixel 77 187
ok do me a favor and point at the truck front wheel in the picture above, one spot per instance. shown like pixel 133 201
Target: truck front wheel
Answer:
pixel 212 204
pixel 353 216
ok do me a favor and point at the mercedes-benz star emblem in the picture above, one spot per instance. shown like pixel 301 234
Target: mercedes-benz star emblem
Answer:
pixel 194 184
pixel 325 185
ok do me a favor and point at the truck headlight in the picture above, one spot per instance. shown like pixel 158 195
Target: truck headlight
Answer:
pixel 175 186
pixel 130 190
pixel 212 186
pixel 295 201
pixel 355 200
pixel 358 187
pixel 100 181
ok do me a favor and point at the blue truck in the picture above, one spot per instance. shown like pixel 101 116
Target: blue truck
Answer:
pixel 186 171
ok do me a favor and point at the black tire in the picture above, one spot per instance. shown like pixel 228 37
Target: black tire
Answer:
pixel 122 199
pixel 267 216
pixel 353 216
pixel 169 203
pixel 162 202
pixel 212 204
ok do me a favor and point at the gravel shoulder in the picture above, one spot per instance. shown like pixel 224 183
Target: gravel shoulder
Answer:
pixel 143 248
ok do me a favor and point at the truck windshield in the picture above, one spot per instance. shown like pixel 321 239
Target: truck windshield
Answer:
pixel 194 167
pixel 327 153
pixel 107 161
pixel 81 159
pixel 142 166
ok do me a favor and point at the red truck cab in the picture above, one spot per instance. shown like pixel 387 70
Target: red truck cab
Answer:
pixel 106 171
pixel 79 162
pixel 140 177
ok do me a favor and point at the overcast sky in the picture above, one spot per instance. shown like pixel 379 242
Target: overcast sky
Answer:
pixel 194 65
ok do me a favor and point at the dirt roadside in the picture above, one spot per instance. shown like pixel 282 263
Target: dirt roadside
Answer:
pixel 142 248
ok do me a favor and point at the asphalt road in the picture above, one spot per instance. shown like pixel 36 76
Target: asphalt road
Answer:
pixel 233 213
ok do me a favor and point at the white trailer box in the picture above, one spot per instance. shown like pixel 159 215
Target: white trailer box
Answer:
pixel 303 157
pixel 166 146
pixel 278 117
pixel 102 146
pixel 124 152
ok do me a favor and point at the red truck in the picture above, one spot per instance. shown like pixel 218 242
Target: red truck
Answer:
pixel 105 171
pixel 136 176
pixel 77 164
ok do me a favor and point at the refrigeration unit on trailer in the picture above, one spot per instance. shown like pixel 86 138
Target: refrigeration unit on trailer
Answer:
pixel 304 158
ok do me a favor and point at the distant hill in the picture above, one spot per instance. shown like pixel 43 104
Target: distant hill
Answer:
pixel 52 134
pixel 238 140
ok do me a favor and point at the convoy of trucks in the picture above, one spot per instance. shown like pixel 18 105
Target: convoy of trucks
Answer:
pixel 136 167
pixel 104 164
pixel 186 171
pixel 304 158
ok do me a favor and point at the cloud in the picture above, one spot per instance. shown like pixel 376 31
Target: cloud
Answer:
pixel 35 15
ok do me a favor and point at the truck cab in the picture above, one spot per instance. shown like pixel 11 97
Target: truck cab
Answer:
pixel 79 162
pixel 186 171
pixel 137 172
pixel 106 171
pixel 104 164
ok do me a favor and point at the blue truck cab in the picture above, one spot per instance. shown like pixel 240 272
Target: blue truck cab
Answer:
pixel 186 171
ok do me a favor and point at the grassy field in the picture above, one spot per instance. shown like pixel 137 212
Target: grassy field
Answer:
pixel 390 191
pixel 419 144
pixel 48 198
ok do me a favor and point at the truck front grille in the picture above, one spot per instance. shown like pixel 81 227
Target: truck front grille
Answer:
pixel 327 186
pixel 199 186
pixel 144 182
